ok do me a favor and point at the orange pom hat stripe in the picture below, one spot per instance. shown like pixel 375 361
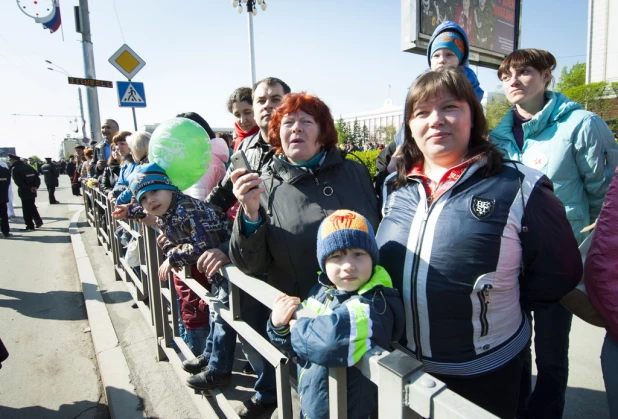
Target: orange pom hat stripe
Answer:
pixel 343 219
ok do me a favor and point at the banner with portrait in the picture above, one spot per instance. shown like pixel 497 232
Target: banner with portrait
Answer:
pixel 491 25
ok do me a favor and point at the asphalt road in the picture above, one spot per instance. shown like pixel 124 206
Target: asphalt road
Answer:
pixel 51 371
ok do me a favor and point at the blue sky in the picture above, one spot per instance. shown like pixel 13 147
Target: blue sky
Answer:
pixel 346 51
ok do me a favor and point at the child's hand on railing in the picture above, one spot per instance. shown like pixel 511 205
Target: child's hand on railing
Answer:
pixel 121 212
pixel 161 239
pixel 164 270
pixel 211 261
pixel 283 310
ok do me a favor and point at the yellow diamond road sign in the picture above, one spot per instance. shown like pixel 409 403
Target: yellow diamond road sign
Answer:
pixel 127 61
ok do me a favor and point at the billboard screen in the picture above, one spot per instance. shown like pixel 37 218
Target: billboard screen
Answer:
pixel 492 26
pixel 4 152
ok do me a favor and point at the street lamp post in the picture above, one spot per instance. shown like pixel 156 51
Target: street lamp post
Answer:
pixel 79 92
pixel 251 11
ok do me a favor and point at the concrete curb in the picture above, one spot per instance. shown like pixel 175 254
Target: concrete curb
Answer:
pixel 122 400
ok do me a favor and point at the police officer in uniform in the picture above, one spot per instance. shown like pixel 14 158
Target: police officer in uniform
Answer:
pixel 50 175
pixel 27 181
pixel 5 182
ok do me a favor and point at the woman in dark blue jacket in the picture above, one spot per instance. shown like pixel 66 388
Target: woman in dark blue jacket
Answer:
pixel 470 239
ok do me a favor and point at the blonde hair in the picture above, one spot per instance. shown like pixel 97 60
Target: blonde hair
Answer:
pixel 138 144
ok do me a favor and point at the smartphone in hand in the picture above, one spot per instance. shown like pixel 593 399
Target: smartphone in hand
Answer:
pixel 239 161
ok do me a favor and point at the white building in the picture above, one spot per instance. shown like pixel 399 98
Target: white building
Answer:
pixel 602 50
pixel 67 147
pixel 488 96
pixel 388 114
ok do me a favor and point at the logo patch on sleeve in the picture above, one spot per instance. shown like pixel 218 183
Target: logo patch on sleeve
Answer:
pixel 482 207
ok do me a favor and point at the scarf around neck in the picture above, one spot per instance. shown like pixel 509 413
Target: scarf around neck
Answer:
pixel 241 135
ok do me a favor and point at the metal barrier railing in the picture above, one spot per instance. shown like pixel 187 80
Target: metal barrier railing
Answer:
pixel 404 390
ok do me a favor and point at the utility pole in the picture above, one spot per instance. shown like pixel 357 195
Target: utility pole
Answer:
pixel 81 110
pixel 251 47
pixel 92 98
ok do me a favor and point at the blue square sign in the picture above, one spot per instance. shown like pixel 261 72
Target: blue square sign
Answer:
pixel 131 94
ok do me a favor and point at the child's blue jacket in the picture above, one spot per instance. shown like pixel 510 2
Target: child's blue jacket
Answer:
pixel 348 325
pixel 453 27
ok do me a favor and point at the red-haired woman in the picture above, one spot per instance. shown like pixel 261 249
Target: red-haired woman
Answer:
pixel 275 231
pixel 277 224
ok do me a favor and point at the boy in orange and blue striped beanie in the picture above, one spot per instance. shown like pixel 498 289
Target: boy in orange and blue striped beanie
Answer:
pixel 357 308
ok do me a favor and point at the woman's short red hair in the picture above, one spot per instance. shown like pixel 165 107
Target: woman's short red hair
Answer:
pixel 310 104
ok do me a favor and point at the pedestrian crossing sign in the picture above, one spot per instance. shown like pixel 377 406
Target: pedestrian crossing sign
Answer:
pixel 131 94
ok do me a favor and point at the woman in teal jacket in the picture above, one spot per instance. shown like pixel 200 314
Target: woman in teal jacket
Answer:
pixel 576 150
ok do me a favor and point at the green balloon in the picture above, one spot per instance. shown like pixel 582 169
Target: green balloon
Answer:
pixel 182 148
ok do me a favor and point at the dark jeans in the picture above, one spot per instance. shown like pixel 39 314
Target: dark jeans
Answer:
pixel 497 391
pixel 31 214
pixel 255 314
pixel 51 189
pixel 551 345
pixel 221 341
pixel 4 218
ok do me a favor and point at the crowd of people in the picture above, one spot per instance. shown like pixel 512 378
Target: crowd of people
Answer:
pixel 463 243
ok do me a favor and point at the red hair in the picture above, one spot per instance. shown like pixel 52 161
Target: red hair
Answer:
pixel 307 103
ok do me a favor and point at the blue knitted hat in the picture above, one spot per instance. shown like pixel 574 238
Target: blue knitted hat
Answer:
pixel 345 229
pixel 449 40
pixel 149 177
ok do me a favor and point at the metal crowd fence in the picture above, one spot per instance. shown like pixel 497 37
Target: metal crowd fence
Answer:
pixel 404 390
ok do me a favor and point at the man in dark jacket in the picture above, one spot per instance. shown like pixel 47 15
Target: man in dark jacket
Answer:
pixel 27 181
pixel 50 175
pixel 267 95
pixel 103 150
pixel 5 181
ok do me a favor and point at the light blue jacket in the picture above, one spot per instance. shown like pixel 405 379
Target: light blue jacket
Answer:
pixel 572 147
pixel 121 189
